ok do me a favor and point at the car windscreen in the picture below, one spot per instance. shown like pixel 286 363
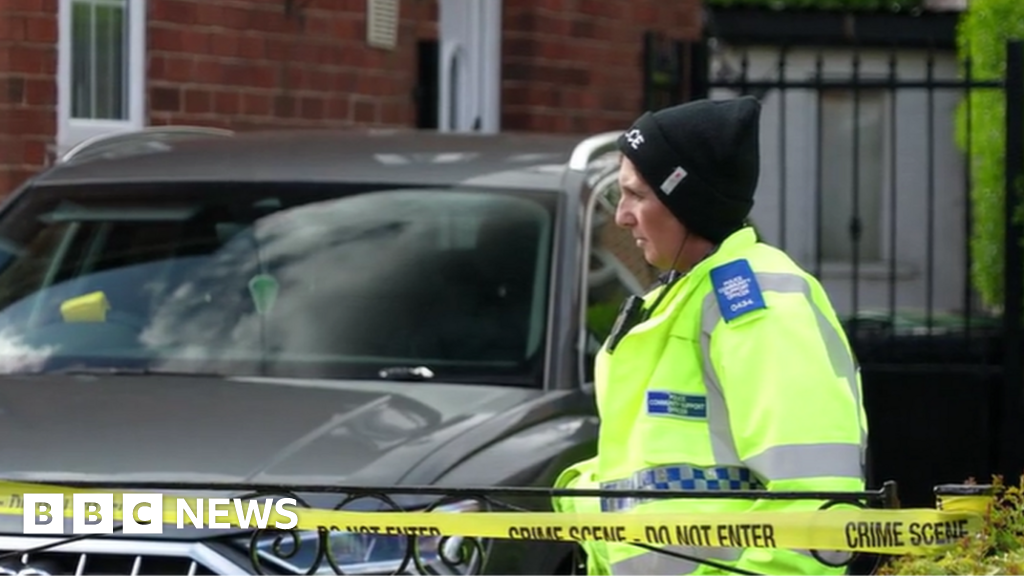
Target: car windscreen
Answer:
pixel 292 280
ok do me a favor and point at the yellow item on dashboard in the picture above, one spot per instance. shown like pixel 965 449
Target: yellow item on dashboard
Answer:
pixel 90 307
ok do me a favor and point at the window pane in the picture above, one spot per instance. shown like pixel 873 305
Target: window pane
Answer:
pixel 321 281
pixel 81 59
pixel 99 59
pixel 846 125
pixel 110 61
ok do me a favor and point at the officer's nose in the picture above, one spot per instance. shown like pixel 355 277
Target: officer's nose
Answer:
pixel 623 214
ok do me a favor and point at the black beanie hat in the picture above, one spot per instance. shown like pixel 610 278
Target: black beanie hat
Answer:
pixel 702 159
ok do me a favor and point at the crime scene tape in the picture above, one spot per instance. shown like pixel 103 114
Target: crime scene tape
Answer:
pixel 892 531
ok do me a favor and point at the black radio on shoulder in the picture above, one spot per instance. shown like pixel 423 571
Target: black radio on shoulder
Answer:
pixel 630 314
pixel 632 311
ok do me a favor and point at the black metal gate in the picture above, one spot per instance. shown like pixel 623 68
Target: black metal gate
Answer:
pixel 863 182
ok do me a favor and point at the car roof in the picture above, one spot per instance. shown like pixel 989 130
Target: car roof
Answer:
pixel 392 156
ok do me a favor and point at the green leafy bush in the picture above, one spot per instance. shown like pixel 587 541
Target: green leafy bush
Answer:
pixel 997 549
pixel 833 5
pixel 982 34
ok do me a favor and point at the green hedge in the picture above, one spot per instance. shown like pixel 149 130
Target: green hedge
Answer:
pixel 832 5
pixel 982 34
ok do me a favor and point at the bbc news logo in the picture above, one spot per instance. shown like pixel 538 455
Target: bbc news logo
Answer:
pixel 144 513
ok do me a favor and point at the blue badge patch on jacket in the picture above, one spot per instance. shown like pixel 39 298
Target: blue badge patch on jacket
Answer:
pixel 666 403
pixel 736 289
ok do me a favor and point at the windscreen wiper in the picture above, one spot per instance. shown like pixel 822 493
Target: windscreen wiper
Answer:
pixel 421 373
pixel 414 373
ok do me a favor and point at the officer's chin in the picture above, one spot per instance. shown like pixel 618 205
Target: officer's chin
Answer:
pixel 657 260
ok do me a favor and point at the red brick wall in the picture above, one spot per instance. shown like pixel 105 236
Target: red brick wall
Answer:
pixel 576 65
pixel 568 65
pixel 246 63
pixel 28 87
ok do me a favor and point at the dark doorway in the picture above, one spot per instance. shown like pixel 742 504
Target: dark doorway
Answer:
pixel 427 95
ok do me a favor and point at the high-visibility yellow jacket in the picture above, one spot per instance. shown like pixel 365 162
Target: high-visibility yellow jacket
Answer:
pixel 742 378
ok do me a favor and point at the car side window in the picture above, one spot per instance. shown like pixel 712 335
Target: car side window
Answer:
pixel 616 269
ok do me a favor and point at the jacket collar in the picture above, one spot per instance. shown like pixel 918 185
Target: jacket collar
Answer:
pixel 735 244
pixel 730 248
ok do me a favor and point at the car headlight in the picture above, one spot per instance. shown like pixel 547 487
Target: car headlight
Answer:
pixel 360 553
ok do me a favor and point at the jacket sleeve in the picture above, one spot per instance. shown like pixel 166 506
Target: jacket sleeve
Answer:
pixel 580 474
pixel 791 389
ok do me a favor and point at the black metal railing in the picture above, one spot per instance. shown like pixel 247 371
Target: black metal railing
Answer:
pixel 858 241
pixel 268 549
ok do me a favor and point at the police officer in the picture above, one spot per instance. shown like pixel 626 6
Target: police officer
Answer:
pixel 733 372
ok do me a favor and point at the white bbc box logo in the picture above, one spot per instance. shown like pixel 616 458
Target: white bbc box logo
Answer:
pixel 143 513
pixel 43 513
pixel 93 513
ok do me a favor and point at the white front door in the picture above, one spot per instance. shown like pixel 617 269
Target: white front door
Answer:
pixel 470 66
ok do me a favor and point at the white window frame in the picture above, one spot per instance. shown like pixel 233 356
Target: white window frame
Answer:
pixel 72 131
pixel 470 65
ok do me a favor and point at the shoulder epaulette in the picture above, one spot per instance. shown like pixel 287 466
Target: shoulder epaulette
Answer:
pixel 736 289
